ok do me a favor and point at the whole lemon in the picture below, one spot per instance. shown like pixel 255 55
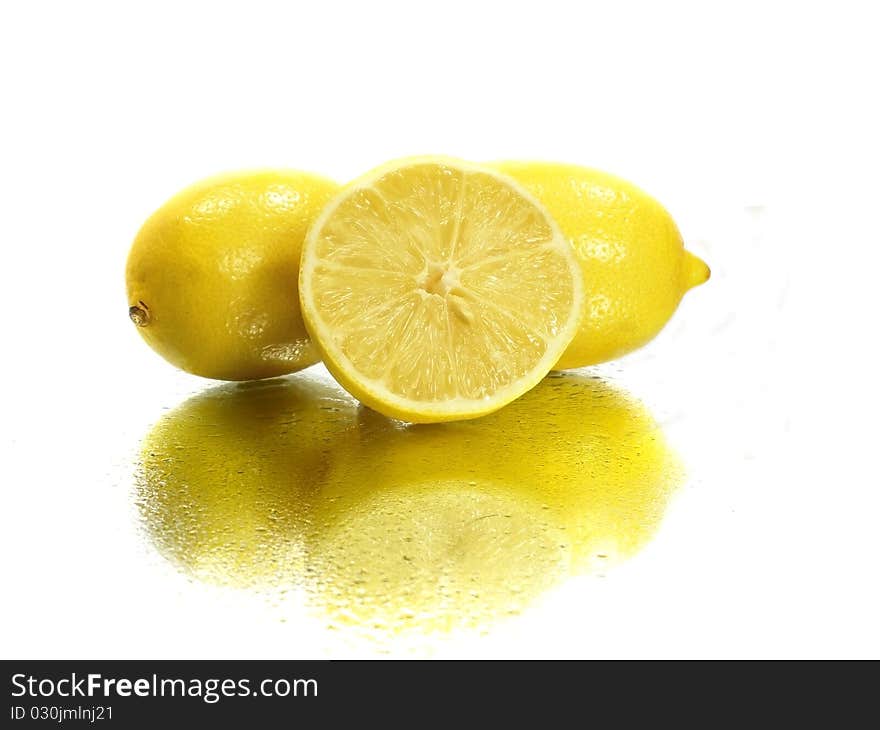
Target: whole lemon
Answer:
pixel 212 275
pixel 631 254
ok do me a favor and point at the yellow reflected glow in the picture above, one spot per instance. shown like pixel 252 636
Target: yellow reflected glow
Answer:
pixel 397 528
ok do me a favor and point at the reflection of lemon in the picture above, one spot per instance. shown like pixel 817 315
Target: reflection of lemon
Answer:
pixel 432 556
pixel 634 265
pixel 212 275
pixel 437 290
pixel 225 479
pixel 404 528
pixel 427 526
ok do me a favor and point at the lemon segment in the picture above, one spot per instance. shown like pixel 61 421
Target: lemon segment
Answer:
pixel 438 290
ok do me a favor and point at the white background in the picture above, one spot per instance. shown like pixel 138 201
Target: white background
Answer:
pixel 754 123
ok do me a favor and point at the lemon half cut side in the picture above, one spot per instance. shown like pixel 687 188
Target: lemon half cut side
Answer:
pixel 438 290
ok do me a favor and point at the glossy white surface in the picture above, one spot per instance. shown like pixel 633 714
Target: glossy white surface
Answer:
pixel 756 127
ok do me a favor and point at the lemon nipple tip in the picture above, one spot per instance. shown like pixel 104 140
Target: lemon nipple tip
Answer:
pixel 697 271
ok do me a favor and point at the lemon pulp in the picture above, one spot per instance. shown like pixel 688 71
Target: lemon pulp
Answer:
pixel 438 290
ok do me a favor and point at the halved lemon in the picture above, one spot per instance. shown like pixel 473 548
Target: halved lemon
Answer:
pixel 438 290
